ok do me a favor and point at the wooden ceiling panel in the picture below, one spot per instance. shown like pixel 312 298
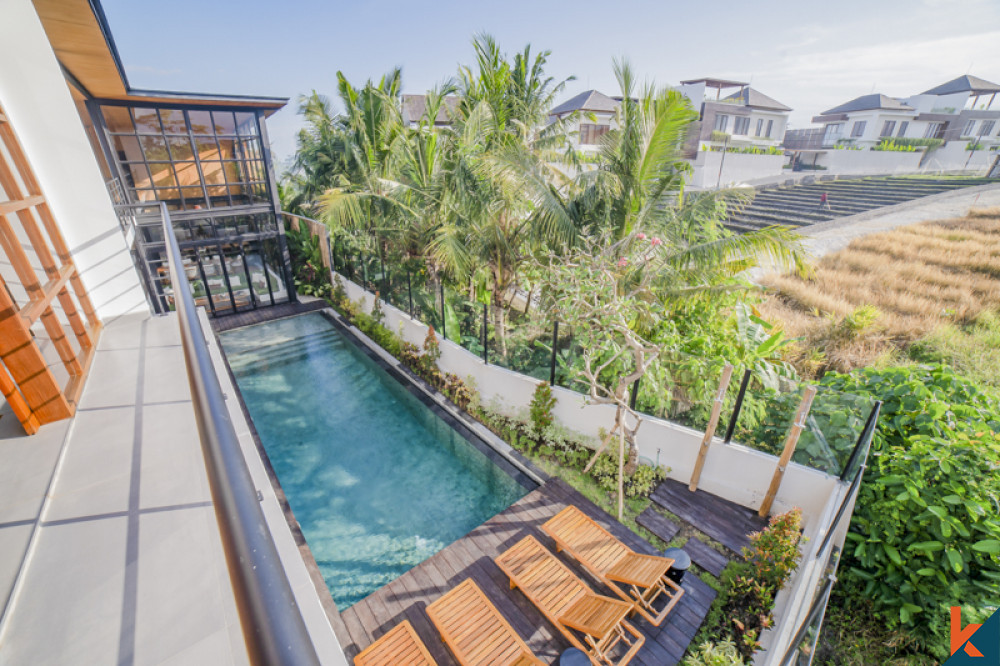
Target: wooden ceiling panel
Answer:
pixel 81 46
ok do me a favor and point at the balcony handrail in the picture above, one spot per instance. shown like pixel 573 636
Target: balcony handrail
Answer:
pixel 273 628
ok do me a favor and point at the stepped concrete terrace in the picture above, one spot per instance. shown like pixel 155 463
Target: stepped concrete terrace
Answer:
pixel 799 205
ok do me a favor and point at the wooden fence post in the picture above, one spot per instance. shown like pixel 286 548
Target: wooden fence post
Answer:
pixel 713 422
pixel 793 438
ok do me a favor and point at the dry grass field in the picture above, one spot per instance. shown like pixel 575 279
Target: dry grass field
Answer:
pixel 886 291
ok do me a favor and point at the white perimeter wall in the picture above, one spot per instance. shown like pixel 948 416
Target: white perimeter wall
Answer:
pixel 732 471
pixel 738 168
pixel 37 101
pixel 953 157
pixel 950 157
pixel 867 161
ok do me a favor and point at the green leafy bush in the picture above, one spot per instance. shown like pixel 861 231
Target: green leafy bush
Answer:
pixel 638 484
pixel 542 403
pixel 925 533
pixel 743 608
pixel 894 145
pixel 723 653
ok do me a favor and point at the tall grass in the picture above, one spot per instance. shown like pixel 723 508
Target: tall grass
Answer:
pixel 930 280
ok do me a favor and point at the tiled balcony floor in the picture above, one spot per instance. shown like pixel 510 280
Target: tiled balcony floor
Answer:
pixel 124 562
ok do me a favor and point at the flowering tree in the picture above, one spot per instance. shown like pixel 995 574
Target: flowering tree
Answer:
pixel 616 293
pixel 604 290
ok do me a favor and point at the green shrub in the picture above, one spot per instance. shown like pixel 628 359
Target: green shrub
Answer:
pixel 774 551
pixel 743 608
pixel 925 533
pixel 542 403
pixel 894 145
pixel 639 484
pixel 711 654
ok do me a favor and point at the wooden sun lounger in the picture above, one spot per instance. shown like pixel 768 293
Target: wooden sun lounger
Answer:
pixel 400 647
pixel 639 579
pixel 591 622
pixel 475 631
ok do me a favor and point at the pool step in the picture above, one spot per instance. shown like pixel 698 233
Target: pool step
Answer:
pixel 288 351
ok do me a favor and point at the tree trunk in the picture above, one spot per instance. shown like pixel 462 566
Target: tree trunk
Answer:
pixel 621 467
pixel 499 325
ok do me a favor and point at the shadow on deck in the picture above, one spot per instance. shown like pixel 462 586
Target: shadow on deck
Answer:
pixel 472 556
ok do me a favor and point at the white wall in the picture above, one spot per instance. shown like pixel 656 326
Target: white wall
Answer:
pixel 874 120
pixel 731 471
pixel 738 168
pixel 938 103
pixel 868 161
pixel 953 157
pixel 37 101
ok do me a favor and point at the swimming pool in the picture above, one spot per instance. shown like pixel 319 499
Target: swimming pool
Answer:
pixel 377 481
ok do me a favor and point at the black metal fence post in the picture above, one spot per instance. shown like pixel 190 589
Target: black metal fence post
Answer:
pixel 635 394
pixel 364 272
pixel 737 407
pixel 409 292
pixel 864 439
pixel 444 331
pixel 486 358
pixel 555 342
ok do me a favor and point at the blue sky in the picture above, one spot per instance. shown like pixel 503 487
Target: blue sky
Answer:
pixel 809 55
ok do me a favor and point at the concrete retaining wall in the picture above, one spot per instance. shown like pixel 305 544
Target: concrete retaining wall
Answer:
pixel 738 168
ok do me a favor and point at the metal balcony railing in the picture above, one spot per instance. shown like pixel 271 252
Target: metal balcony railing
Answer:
pixel 273 627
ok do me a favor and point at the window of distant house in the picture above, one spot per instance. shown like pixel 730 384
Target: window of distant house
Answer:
pixel 833 132
pixel 721 123
pixel 770 126
pixel 859 128
pixel 760 127
pixel 987 127
pixel 969 127
pixel 903 126
pixel 590 134
pixel 932 130
pixel 888 128
pixel 741 126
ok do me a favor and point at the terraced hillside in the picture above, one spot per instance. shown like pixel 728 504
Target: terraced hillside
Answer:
pixel 799 205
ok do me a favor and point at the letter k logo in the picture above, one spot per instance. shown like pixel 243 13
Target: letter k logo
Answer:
pixel 960 636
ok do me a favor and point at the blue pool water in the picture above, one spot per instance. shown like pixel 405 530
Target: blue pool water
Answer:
pixel 376 480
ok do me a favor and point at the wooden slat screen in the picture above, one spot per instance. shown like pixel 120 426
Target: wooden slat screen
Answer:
pixel 27 382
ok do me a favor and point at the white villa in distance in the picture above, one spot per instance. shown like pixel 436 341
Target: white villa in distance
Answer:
pixel 961 114
pixel 961 109
pixel 746 117
pixel 740 121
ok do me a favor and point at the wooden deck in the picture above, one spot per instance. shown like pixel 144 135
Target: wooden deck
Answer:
pixel 472 557
pixel 227 322
pixel 726 522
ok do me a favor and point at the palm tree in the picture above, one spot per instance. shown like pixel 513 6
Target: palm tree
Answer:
pixel 633 205
pixel 322 159
pixel 638 186
pixel 503 103
pixel 365 201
